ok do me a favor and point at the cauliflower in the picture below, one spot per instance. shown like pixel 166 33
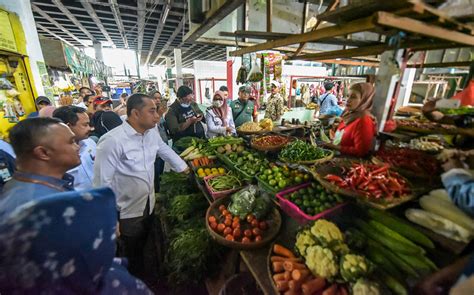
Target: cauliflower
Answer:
pixel 326 232
pixel 365 287
pixel 353 267
pixel 304 239
pixel 339 247
pixel 321 262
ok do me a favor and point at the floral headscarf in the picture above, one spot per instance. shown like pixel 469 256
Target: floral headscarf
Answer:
pixel 64 244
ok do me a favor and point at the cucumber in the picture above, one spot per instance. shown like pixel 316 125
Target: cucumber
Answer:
pixel 393 284
pixel 419 262
pixel 389 242
pixel 382 261
pixel 387 232
pixel 397 261
pixel 401 227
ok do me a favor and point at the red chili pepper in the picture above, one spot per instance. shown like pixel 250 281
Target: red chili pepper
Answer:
pixel 381 170
pixel 332 177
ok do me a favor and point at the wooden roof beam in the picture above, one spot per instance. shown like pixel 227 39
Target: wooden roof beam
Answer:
pixel 442 65
pixel 141 14
pixel 348 62
pixel 91 11
pixel 53 34
pixel 73 19
pixel 158 30
pixel 118 19
pixel 418 27
pixel 211 21
pixel 170 40
pixel 360 25
pixel 61 27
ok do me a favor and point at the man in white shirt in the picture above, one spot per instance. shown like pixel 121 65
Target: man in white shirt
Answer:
pixel 78 121
pixel 125 162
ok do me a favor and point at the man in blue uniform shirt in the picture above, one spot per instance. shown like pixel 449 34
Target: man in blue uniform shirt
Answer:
pixel 77 119
pixel 45 150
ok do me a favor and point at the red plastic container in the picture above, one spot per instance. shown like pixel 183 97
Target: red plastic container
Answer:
pixel 215 195
pixel 296 213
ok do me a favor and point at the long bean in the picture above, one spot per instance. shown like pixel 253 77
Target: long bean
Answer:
pixel 224 182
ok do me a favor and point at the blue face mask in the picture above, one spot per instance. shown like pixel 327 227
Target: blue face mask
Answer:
pixel 185 105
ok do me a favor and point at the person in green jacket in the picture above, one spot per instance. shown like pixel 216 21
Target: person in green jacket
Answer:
pixel 243 110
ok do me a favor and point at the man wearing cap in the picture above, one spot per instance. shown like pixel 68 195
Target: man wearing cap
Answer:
pixel 243 110
pixel 274 109
pixel 102 104
pixel 328 101
pixel 41 102
pixel 184 117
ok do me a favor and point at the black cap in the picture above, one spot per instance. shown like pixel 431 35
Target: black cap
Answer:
pixel 184 91
pixel 42 99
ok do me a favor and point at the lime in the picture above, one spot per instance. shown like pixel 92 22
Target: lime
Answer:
pixel 275 169
pixel 268 171
pixel 298 179
pixel 306 203
pixel 281 184
pixel 272 182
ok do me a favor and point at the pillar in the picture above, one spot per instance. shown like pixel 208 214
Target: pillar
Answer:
pixel 385 85
pixel 179 67
pixel 230 79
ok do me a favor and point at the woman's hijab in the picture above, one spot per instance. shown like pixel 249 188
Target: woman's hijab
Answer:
pixel 367 93
pixel 64 244
pixel 221 111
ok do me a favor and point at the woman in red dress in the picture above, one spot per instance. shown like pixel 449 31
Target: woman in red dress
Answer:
pixel 355 134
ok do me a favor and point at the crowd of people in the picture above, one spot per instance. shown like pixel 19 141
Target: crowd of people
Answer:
pixel 90 172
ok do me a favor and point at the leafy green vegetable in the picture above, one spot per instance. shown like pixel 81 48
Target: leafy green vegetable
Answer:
pixel 299 150
pixel 173 184
pixel 182 207
pixel 247 201
pixel 464 110
pixel 185 142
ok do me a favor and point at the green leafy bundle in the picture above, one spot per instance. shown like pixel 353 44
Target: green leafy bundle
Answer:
pixel 299 150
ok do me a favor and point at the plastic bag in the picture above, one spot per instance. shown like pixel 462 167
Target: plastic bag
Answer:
pixel 255 74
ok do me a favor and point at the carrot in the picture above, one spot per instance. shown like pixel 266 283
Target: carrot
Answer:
pixel 206 160
pixel 287 275
pixel 279 277
pixel 290 266
pixel 196 162
pixel 313 286
pixel 203 162
pixel 295 285
pixel 282 251
pixel 277 266
pixel 331 290
pixel 283 259
pixel 299 274
pixel 343 290
pixel 282 286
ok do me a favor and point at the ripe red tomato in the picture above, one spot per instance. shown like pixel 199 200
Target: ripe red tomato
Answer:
pixel 245 240
pixel 212 219
pixel 248 233
pixel 229 238
pixel 235 224
pixel 227 231
pixel 258 238
pixel 222 208
pixel 213 225
pixel 220 227
pixel 254 223
pixel 237 233
pixel 250 217
pixel 228 222
pixel 256 231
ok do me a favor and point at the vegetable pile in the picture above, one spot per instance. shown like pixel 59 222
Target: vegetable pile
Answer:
pixel 395 247
pixel 372 181
pixel 250 127
pixel 411 160
pixel 314 199
pixel 293 276
pixel 440 215
pixel 464 110
pixel 270 140
pixel 244 219
pixel 250 162
pixel 224 183
pixel 278 178
pixel 299 150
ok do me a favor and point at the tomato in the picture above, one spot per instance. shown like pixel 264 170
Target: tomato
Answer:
pixel 248 233
pixel 258 238
pixel 220 227
pixel 263 225
pixel 236 219
pixel 250 217
pixel 225 212
pixel 245 240
pixel 222 208
pixel 229 238
pixel 228 222
pixel 212 219
pixel 254 223
pixel 235 224
pixel 236 233
pixel 213 225
pixel 227 230
pixel 256 231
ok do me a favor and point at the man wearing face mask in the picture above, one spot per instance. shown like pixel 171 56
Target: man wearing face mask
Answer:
pixel 184 117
